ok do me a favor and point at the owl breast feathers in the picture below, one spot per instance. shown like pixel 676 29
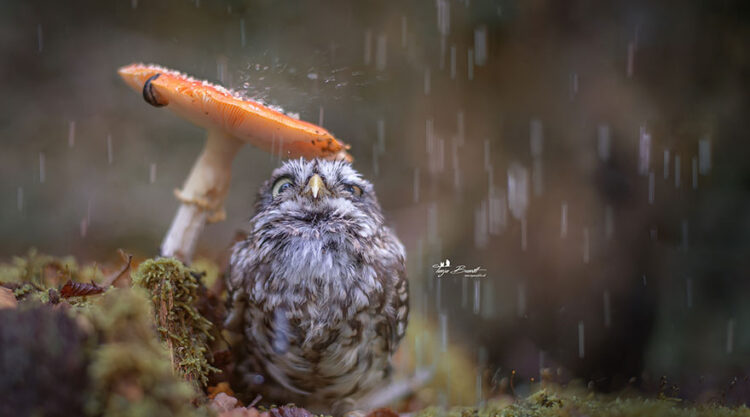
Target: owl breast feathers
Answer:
pixel 318 289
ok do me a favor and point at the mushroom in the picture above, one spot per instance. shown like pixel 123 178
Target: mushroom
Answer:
pixel 230 121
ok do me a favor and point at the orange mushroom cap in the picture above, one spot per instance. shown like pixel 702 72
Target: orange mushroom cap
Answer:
pixel 217 108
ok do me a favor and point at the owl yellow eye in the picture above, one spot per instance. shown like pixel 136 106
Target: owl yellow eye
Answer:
pixel 353 189
pixel 282 184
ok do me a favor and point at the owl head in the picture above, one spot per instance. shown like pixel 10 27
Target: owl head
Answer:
pixel 317 198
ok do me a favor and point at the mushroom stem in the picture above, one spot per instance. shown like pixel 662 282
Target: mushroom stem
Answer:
pixel 202 196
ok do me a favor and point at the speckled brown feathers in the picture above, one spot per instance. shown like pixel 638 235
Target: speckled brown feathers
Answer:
pixel 318 289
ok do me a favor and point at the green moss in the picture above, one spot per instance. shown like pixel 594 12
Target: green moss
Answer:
pixel 555 402
pixel 129 368
pixel 174 292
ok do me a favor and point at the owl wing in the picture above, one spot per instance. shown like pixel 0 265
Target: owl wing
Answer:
pixel 240 275
pixel 397 298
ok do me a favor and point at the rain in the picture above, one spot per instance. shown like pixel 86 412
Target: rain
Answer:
pixel 513 149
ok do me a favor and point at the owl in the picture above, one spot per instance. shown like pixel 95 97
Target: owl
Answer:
pixel 318 289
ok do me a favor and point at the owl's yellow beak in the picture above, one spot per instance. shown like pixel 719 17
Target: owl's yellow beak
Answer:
pixel 316 186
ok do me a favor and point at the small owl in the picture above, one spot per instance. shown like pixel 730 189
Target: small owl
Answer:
pixel 318 289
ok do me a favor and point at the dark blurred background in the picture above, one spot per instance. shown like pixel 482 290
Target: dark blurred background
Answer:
pixel 590 155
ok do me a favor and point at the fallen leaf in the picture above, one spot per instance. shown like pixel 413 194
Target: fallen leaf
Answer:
pixel 223 402
pixel 289 411
pixel 221 387
pixel 77 289
pixel 7 299
pixel 382 412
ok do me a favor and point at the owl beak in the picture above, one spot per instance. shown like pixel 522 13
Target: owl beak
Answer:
pixel 316 186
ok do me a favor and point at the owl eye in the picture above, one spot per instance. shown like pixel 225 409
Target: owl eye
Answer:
pixel 282 184
pixel 353 189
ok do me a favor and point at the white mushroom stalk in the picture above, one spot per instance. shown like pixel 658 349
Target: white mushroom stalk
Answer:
pixel 230 121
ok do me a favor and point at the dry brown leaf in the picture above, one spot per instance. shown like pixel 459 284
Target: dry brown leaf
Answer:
pixel 289 411
pixel 223 402
pixel 77 289
pixel 221 387
pixel 7 299
pixel 382 412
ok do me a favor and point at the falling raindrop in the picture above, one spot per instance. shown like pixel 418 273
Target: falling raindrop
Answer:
pixel 609 222
pixel 381 135
pixel 470 64
pixel 644 151
pixel 666 163
pixel 461 127
pixel 498 210
pixel 487 163
pixel 427 81
pixel 631 59
pixel 689 292
pixel 443 17
pixel 134 3
pixel 109 149
pixel 381 53
pixel 71 134
pixel 416 185
pixel 39 38
pixel 19 199
pixel 439 294
pixel 607 309
pixel 704 156
pixel 518 189
pixel 564 220
pixel 677 171
pixel 480 45
pixel 586 245
pixel 603 142
pixel 481 226
pixel 453 62
pixel 695 172
pixel 524 241
pixel 368 46
pixel 536 137
pixel 152 173
pixel 88 211
pixel 443 332
pixel 436 161
pixel 521 300
pixel 651 188
pixel 430 136
pixel 84 227
pixel 581 351
pixel 455 164
pixel 321 114
pixel 464 293
pixel 221 69
pixel 442 52
pixel 42 170
pixel 477 295
pixel 730 336
pixel 573 85
pixel 537 177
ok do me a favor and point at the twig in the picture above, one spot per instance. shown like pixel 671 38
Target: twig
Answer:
pixel 125 257
pixel 396 390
